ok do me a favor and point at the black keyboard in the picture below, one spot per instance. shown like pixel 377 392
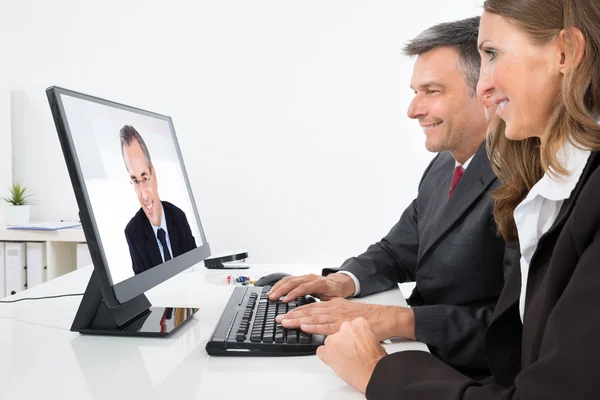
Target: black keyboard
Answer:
pixel 247 327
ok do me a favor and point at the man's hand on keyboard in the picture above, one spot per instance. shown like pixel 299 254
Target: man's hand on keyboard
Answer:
pixel 325 288
pixel 326 317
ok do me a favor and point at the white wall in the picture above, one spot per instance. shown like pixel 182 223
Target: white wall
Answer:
pixel 291 115
pixel 5 148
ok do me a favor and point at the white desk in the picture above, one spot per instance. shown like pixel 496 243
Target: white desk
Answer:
pixel 42 359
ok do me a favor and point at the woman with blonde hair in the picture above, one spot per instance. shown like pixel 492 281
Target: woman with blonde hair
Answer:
pixel 541 66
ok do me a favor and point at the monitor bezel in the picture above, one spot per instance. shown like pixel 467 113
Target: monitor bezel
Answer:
pixel 119 293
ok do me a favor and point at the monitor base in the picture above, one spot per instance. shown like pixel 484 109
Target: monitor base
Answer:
pixel 135 317
pixel 156 322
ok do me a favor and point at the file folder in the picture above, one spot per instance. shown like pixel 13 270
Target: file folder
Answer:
pixel 2 272
pixel 15 264
pixel 83 255
pixel 37 267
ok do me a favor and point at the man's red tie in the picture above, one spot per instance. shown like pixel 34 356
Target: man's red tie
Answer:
pixel 458 173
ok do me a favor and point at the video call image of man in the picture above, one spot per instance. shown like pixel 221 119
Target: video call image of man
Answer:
pixel 159 231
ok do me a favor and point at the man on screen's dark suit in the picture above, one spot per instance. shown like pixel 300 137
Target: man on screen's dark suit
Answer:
pixel 159 231
pixel 143 244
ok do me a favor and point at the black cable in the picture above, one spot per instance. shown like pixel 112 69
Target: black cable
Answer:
pixel 35 323
pixel 42 298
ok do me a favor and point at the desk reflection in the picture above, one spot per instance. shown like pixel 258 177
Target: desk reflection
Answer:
pixel 152 368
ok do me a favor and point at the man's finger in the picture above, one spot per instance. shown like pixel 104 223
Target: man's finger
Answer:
pixel 322 353
pixel 323 329
pixel 294 316
pixel 286 287
pixel 297 313
pixel 298 320
pixel 303 289
pixel 320 308
pixel 280 283
pixel 345 326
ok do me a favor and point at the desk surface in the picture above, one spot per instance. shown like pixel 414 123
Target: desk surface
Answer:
pixel 42 359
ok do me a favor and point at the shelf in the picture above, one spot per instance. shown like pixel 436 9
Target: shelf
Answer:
pixel 61 235
pixel 61 246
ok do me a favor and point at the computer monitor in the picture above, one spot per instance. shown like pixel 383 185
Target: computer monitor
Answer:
pixel 136 207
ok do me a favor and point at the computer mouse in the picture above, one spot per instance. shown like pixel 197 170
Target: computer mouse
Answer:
pixel 270 279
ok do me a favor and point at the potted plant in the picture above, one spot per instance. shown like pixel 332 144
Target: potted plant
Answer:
pixel 17 210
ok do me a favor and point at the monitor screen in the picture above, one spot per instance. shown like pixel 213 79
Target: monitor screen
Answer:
pixel 134 186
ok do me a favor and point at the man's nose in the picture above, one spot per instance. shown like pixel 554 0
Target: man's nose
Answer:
pixel 416 108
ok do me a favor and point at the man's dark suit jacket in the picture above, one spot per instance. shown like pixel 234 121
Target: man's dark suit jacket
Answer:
pixel 143 247
pixel 450 248
pixel 555 352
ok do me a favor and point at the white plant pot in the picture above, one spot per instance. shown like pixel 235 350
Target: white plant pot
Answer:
pixel 16 215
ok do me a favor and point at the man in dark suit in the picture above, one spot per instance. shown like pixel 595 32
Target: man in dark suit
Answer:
pixel 445 240
pixel 159 231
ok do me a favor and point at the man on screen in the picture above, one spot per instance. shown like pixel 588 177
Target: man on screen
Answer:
pixel 159 231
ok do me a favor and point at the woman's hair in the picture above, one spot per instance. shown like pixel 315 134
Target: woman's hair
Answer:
pixel 520 164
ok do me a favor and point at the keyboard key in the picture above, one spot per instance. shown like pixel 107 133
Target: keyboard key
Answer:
pixel 279 337
pixel 292 336
pixel 241 336
pixel 268 337
pixel 305 338
pixel 255 338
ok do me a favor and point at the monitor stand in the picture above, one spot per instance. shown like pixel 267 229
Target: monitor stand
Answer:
pixel 135 317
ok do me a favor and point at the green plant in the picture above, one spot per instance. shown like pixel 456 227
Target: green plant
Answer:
pixel 19 195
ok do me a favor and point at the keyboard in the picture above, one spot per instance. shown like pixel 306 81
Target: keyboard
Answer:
pixel 247 327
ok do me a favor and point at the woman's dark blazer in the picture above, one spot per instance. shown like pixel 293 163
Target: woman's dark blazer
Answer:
pixel 555 352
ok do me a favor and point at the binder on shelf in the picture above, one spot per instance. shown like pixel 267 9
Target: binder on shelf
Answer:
pixel 15 267
pixel 2 272
pixel 83 255
pixel 37 268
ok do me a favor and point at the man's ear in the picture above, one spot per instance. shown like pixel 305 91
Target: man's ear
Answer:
pixel 571 45
pixel 154 175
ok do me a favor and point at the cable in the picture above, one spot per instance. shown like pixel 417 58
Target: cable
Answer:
pixel 35 323
pixel 42 298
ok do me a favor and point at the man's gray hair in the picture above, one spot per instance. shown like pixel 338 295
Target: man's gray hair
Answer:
pixel 127 135
pixel 460 35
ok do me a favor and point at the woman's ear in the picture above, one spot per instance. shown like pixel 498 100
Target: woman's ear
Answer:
pixel 571 45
